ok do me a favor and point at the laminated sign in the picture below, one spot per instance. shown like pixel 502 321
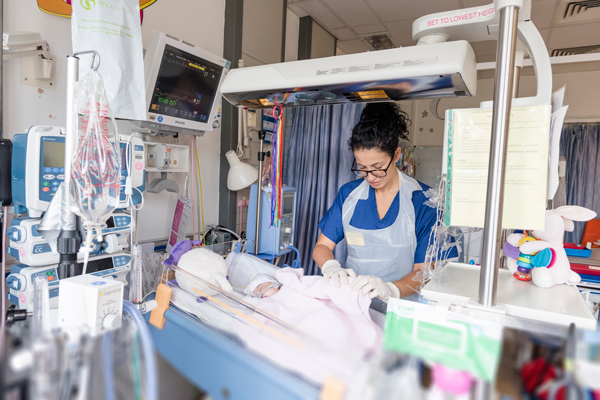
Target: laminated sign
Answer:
pixel 112 28
pixel 454 340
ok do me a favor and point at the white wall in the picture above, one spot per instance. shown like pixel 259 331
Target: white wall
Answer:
pixel 292 31
pixel 322 43
pixel 200 23
pixel 261 44
pixel 261 34
pixel 582 96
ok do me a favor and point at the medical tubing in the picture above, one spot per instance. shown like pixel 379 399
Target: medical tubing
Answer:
pixel 296 262
pixel 88 248
pixel 2 282
pixel 107 366
pixel 151 380
pixel 200 181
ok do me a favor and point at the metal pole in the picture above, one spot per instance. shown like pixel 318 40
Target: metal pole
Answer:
pixel 503 91
pixel 1 71
pixel 516 84
pixel 70 138
pixel 68 242
pixel 261 157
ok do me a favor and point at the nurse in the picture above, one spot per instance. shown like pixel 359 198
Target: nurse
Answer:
pixel 382 215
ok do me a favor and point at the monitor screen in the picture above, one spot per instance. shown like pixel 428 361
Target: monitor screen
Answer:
pixel 288 204
pixel 185 87
pixel 53 154
pixel 123 158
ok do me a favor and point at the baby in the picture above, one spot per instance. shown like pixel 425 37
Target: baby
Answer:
pixel 262 286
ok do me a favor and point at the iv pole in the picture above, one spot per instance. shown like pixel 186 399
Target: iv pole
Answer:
pixel 69 240
pixel 503 93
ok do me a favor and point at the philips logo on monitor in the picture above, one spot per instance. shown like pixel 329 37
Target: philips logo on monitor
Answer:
pixel 160 118
pixel 179 122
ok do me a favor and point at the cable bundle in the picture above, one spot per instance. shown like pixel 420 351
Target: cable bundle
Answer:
pixel 277 166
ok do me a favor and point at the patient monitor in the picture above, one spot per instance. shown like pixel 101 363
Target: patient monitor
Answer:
pixel 182 86
pixel 273 240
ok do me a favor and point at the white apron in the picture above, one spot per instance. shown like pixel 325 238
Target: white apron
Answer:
pixel 386 253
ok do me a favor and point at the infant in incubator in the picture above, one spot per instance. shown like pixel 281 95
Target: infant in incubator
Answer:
pixel 262 286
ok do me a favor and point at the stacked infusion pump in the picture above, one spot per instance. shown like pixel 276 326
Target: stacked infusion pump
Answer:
pixel 38 168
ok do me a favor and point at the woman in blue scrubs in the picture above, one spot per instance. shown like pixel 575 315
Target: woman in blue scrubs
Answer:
pixel 382 216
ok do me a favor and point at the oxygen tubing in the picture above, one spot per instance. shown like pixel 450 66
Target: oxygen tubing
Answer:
pixel 151 380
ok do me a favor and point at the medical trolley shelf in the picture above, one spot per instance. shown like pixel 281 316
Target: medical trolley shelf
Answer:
pixel 219 364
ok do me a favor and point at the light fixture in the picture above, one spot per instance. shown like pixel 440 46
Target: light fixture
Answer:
pixel 241 175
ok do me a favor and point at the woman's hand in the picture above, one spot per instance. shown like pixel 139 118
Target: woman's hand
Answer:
pixel 376 287
pixel 333 272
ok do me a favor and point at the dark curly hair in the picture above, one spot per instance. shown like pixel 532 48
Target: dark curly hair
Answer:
pixel 381 127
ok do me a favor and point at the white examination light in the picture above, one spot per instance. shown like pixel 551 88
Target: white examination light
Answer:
pixel 241 175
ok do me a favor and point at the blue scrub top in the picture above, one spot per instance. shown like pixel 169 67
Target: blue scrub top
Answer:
pixel 366 217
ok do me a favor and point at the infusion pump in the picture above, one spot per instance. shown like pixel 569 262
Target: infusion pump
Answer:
pixel 38 168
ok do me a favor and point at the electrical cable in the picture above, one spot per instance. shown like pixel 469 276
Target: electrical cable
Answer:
pixel 192 185
pixel 201 195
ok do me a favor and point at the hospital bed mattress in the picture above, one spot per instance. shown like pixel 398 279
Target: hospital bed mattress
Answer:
pixel 218 363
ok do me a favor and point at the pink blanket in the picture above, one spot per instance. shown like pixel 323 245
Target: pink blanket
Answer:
pixel 339 330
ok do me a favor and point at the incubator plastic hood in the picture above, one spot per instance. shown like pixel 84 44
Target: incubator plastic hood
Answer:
pixel 427 71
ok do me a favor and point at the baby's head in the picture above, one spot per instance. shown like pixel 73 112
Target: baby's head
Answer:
pixel 263 285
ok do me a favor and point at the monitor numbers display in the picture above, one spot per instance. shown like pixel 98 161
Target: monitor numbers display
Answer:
pixel 186 86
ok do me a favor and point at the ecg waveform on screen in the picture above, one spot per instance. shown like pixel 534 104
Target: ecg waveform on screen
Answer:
pixel 188 65
pixel 167 91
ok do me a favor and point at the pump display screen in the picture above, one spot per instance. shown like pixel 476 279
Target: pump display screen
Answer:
pixel 98 265
pixel 123 157
pixel 186 86
pixel 288 205
pixel 54 155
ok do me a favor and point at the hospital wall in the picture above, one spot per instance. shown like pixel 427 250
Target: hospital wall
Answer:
pixel 582 96
pixel 263 26
pixel 200 23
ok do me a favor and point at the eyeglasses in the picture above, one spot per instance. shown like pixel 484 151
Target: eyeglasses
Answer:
pixel 377 173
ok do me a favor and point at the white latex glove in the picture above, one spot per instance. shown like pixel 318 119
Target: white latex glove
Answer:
pixel 333 272
pixel 375 287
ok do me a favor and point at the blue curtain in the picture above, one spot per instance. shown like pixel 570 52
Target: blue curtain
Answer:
pixel 318 163
pixel 580 145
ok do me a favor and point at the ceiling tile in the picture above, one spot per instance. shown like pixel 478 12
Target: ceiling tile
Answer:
pixel 484 48
pixel 297 10
pixel 475 3
pixel 574 36
pixel 485 58
pixel 542 13
pixel 374 28
pixel 402 31
pixel 320 13
pixel 343 34
pixel 394 10
pixel 352 46
pixel 352 12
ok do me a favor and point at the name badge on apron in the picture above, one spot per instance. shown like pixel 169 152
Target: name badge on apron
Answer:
pixel 355 239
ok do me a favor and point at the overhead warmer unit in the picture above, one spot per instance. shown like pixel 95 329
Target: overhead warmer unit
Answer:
pixel 428 71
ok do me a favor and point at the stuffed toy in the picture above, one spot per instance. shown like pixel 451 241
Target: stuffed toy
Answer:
pixel 201 263
pixel 542 258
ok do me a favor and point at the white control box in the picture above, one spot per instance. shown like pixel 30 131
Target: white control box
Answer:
pixel 92 301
